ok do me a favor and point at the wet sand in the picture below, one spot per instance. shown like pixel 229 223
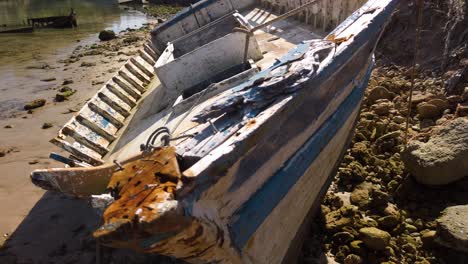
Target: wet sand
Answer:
pixel 27 147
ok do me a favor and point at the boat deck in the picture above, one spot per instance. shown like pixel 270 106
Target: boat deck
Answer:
pixel 278 38
pixel 274 41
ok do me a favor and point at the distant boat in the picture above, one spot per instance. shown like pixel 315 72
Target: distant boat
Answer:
pixel 54 21
pixel 217 142
pixel 17 29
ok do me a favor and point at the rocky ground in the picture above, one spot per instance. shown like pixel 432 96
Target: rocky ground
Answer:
pixel 397 203
pixel 375 211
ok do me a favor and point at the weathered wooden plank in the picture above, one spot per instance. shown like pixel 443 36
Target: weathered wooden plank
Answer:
pixel 150 51
pixel 98 118
pixel 149 72
pixel 72 162
pixel 110 117
pixel 137 73
pixel 127 99
pixel 84 140
pixel 119 108
pixel 126 87
pixel 133 81
pixel 94 127
pixel 146 57
pixel 116 99
pixel 211 137
pixel 84 154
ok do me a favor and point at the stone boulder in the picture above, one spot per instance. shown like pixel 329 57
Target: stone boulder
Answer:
pixel 440 103
pixel 421 97
pixel 452 228
pixel 379 92
pixel 334 221
pixel 382 107
pixel 427 110
pixel 444 158
pixel 35 104
pixel 106 35
pixel 465 94
pixel 64 93
pixel 374 238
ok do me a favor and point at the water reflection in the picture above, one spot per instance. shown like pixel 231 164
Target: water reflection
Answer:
pixel 92 16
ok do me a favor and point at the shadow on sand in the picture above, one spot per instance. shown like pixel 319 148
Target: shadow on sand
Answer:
pixel 59 230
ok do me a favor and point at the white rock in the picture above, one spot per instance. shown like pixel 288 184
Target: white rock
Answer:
pixel 444 158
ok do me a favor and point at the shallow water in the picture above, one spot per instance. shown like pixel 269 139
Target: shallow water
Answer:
pixel 18 51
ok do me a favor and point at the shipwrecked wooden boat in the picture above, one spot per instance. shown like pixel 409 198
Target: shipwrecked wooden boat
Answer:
pixel 16 29
pixel 54 21
pixel 216 143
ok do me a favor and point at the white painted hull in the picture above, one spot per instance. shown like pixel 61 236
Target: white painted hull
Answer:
pixel 256 168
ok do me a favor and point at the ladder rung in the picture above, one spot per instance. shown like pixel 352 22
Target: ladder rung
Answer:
pixel 150 51
pixel 142 67
pixel 131 81
pixel 84 155
pixel 120 95
pixel 127 88
pixel 113 104
pixel 66 130
pixel 117 123
pixel 94 127
pixel 136 72
pixel 146 57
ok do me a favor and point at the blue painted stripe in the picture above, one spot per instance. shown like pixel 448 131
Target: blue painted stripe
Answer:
pixel 254 212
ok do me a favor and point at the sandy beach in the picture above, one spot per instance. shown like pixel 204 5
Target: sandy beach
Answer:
pixel 25 145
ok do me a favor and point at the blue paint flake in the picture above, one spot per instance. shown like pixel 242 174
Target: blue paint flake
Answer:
pixel 254 212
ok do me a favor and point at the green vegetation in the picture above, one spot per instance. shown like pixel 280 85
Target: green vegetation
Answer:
pixel 162 11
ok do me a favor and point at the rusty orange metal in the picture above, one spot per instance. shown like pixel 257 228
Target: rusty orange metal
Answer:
pixel 145 205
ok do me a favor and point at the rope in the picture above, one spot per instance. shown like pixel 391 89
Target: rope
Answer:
pixel 165 130
pixel 417 46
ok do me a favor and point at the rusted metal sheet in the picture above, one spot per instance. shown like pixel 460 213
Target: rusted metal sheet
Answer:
pixel 145 204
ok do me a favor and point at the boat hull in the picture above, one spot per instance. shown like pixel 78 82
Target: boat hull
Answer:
pixel 284 201
pixel 16 30
pixel 249 196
